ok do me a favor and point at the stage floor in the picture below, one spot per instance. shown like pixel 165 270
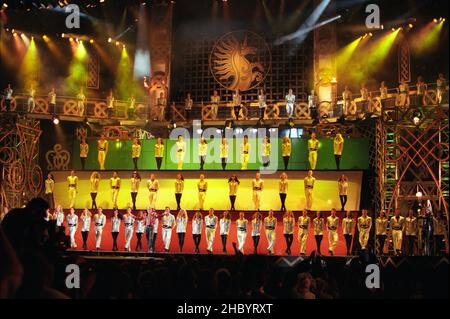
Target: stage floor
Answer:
pixel 280 245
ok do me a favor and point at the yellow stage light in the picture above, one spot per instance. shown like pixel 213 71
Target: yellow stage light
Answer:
pixel 109 40
pixel 410 26
pixel 91 41
pixel 435 20
pixel 117 42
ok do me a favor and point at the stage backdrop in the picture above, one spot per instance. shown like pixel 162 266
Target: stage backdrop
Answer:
pixel 355 156
pixel 325 190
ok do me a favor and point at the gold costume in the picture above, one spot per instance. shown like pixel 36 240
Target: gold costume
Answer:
pixel 303 230
pixel 102 151
pixel 313 146
pixel 115 186
pixel 202 187
pixel 257 186
pixel 136 150
pixel 181 150
pixel 364 227
pixel 309 186
pixel 72 180
pixel 153 186
pixel 333 237
pixel 245 151
pixel 398 226
pixel 270 224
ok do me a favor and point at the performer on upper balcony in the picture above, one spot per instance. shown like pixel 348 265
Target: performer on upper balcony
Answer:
pixel 313 147
pixel 347 99
pixel 441 87
pixel 110 104
pixel 162 104
pixel 95 182
pixel 338 147
pixel 383 90
pixel 84 150
pixel 114 182
pixel 403 91
pixel 102 146
pixel 245 153
pixel 290 101
pixel 81 100
pixel 421 90
pixel 181 150
pixel 215 100
pixel 364 92
pixel 131 107
pixel 312 105
pixel 224 152
pixel 136 152
pixel 202 150
pixel 286 149
pixel 31 103
pixel 52 102
pixel 262 103
pixel 72 180
pixel 159 152
pixel 188 103
pixel 8 97
pixel 237 101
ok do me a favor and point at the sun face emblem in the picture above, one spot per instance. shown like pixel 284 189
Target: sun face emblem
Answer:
pixel 240 60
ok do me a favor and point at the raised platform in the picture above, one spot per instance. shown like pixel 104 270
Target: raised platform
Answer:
pixel 325 192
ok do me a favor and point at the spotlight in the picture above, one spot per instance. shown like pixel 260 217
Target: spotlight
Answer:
pixel 370 34
pixel 382 27
pixel 109 40
pixel 63 35
pixel 70 39
pixel 416 120
pixel 435 20
pixel 55 120
pixel 419 194
pixel 101 1
pixel 91 41
pixel 5 5
pixel 199 131
pixel 117 43
pixel 410 25
pixel 393 29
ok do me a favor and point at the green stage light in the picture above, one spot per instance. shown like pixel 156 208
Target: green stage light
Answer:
pixel 77 70
pixel 344 55
pixel 124 85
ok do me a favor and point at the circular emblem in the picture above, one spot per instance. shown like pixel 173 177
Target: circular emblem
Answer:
pixel 240 60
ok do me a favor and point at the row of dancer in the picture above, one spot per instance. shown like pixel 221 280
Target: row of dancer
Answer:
pixel 245 151
pixel 148 223
pixel 153 186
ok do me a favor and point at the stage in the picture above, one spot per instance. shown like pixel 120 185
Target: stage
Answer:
pixel 326 194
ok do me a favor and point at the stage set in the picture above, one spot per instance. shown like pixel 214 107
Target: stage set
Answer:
pixel 99 99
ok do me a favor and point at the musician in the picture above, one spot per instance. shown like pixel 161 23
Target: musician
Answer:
pixel 52 102
pixel 237 101
pixel 188 103
pixel 162 104
pixel 215 100
pixel 312 105
pixel 290 100
pixel 421 90
pixel 81 99
pixel 347 98
pixel 262 103
pixel 31 103
pixel 441 87
pixel 110 104
pixel 383 90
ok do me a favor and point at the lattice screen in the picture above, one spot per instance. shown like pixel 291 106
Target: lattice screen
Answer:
pixel 288 70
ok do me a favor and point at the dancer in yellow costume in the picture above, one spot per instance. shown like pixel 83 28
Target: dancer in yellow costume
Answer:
pixel 202 187
pixel 159 152
pixel 309 186
pixel 258 186
pixel 338 147
pixel 313 146
pixel 114 182
pixel 84 150
pixel 181 150
pixel 136 152
pixel 153 186
pixel 72 179
pixel 102 151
